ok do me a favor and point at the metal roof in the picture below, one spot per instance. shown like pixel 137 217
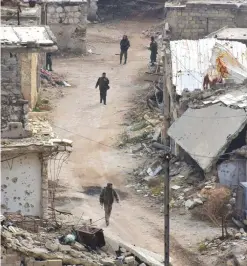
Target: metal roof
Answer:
pixel 21 36
pixel 195 132
pixel 237 34
pixel 191 59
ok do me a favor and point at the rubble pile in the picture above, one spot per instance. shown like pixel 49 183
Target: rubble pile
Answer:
pixel 233 248
pixel 48 245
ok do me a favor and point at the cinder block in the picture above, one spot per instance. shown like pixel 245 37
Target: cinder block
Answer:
pixel 54 263
pixel 40 263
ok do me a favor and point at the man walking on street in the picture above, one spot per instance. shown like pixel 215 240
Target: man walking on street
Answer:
pixel 103 83
pixel 106 199
pixel 124 46
pixel 154 50
pixel 48 62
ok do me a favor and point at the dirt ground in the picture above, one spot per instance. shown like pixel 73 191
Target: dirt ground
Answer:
pixel 94 129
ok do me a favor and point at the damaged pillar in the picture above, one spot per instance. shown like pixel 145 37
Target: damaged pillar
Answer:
pixel 45 187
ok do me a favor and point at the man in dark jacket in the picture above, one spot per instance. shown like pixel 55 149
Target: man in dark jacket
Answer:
pixel 124 46
pixel 103 83
pixel 106 199
pixel 48 62
pixel 154 50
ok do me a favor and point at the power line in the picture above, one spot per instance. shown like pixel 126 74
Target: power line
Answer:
pixel 112 147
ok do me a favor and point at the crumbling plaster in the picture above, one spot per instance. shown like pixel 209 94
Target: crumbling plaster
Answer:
pixel 21 183
pixel 195 20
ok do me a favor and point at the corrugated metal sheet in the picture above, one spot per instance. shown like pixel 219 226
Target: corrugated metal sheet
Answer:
pixel 191 59
pixel 231 173
pixel 21 35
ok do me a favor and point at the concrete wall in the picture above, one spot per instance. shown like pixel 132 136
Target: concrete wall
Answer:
pixel 194 21
pixel 21 181
pixel 13 106
pixel 29 77
pixel 68 22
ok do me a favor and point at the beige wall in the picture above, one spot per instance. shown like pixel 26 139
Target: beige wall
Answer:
pixel 29 81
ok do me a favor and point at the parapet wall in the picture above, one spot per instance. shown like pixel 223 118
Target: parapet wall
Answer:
pixel 68 21
pixel 196 20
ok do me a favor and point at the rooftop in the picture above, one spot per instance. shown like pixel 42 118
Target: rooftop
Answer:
pixel 42 138
pixel 233 34
pixel 39 37
pixel 237 4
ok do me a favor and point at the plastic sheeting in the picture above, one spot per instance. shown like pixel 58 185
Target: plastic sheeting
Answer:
pixel 191 60
pixel 227 65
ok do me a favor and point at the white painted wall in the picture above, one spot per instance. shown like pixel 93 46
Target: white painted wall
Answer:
pixel 21 184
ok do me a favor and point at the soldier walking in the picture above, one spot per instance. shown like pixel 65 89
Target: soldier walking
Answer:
pixel 154 50
pixel 106 199
pixel 124 46
pixel 48 62
pixel 103 83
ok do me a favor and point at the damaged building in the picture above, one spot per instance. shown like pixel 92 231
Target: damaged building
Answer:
pixel 27 144
pixel 211 120
pixel 196 19
pixel 68 21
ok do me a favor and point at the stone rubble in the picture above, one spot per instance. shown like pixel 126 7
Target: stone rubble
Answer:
pixel 46 247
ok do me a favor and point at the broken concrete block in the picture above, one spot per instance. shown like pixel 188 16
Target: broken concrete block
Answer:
pixel 64 248
pixel 54 263
pixel 189 204
pixel 130 260
pixel 52 246
pixel 39 263
pixel 107 262
pixel 79 247
pixel 175 187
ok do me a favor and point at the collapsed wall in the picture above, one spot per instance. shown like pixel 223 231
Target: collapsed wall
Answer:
pixel 195 20
pixel 68 21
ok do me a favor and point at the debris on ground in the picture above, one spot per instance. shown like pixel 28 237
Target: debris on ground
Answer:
pixel 84 245
pixel 50 78
pixel 230 251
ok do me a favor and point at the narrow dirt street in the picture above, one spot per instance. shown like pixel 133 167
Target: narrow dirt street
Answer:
pixel 94 129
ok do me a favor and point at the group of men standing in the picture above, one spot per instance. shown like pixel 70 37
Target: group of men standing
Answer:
pixel 103 81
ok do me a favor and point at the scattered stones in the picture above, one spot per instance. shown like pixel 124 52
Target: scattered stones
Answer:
pixel 107 262
pixel 130 260
pixel 175 187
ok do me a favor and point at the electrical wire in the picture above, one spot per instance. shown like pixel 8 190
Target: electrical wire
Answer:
pixel 112 147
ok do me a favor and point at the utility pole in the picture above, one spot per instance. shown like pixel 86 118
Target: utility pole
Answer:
pixel 167 87
pixel 166 94
pixel 167 209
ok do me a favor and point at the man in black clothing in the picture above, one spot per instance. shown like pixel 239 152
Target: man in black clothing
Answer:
pixel 124 46
pixel 48 62
pixel 103 83
pixel 154 50
pixel 106 199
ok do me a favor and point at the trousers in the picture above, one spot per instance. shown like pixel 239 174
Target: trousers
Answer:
pixel 49 64
pixel 103 96
pixel 108 209
pixel 125 54
pixel 153 57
